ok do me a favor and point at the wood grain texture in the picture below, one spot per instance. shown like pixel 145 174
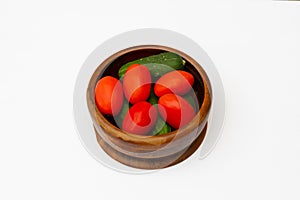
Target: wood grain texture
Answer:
pixel 152 163
pixel 148 147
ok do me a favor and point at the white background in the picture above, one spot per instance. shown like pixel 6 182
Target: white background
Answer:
pixel 255 46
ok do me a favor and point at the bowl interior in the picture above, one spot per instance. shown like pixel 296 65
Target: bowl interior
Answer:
pixel 112 68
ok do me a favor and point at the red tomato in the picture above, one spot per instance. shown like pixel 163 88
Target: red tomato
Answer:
pixel 137 83
pixel 132 66
pixel 109 95
pixel 175 110
pixel 140 118
pixel 177 82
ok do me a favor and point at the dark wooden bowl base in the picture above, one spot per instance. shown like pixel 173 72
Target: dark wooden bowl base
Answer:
pixel 152 163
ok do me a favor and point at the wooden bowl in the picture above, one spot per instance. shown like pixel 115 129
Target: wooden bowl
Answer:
pixel 150 152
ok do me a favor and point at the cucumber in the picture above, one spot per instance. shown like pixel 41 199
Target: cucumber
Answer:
pixel 161 127
pixel 152 97
pixel 158 65
pixel 120 117
pixel 191 98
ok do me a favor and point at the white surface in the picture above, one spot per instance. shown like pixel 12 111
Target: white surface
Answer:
pixel 83 121
pixel 254 46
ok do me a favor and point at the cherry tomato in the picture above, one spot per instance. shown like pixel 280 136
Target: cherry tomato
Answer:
pixel 132 66
pixel 177 82
pixel 140 118
pixel 175 110
pixel 137 83
pixel 109 95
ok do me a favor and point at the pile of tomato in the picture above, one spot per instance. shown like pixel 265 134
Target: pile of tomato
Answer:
pixel 135 87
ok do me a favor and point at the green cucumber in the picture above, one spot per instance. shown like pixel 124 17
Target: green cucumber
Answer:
pixel 152 97
pixel 191 98
pixel 161 127
pixel 120 117
pixel 164 130
pixel 158 65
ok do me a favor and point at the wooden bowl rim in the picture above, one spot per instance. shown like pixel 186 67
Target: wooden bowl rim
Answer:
pixel 198 120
